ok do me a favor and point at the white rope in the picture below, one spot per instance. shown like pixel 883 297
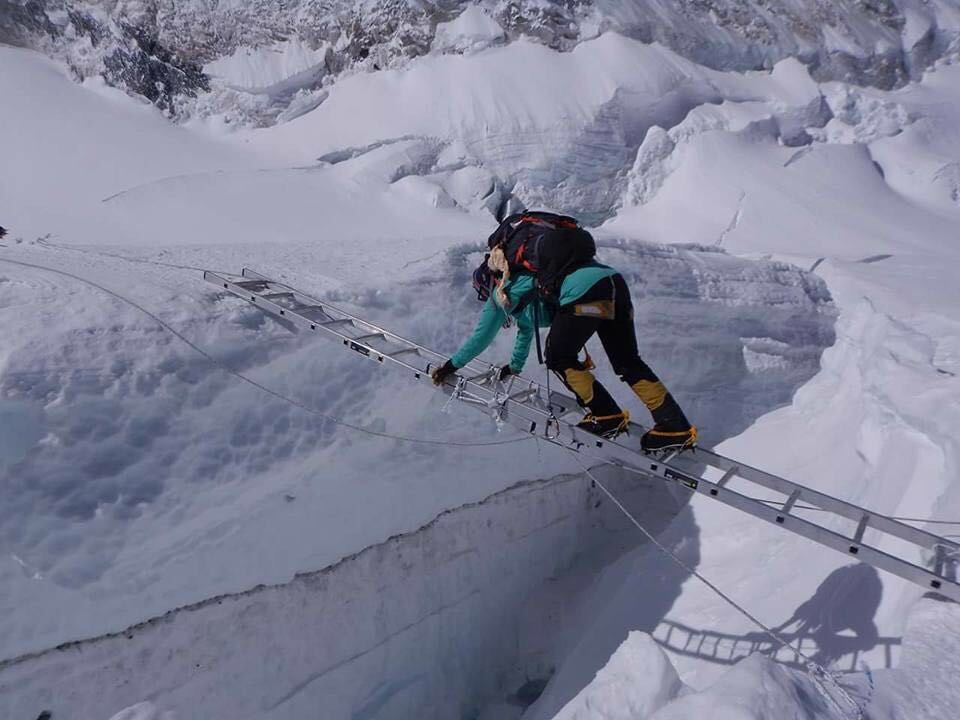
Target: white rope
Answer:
pixel 250 381
pixel 44 242
pixel 821 677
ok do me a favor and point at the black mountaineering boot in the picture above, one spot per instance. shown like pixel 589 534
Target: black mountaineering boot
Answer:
pixel 606 426
pixel 660 438
pixel 671 429
pixel 669 437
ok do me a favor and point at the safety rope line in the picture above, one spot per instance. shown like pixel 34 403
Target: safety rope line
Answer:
pixel 817 672
pixel 43 242
pixel 263 388
pixel 891 517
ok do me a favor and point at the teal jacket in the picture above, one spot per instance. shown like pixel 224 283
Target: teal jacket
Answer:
pixel 493 315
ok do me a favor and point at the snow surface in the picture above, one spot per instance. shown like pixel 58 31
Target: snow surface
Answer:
pixel 270 68
pixel 470 31
pixel 139 449
pixel 876 426
pixel 559 129
pixel 469 603
pixel 138 479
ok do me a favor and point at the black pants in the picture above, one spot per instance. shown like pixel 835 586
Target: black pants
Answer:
pixel 606 309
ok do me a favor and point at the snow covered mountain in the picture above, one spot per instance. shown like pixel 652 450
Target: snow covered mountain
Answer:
pixel 779 184
pixel 258 61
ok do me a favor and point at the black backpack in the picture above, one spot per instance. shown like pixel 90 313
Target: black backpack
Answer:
pixel 547 245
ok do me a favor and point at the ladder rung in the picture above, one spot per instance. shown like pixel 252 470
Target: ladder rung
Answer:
pixel 861 528
pixel 940 555
pixel 523 395
pixel 734 469
pixel 330 323
pixel 483 377
pixel 253 284
pixel 308 308
pixel 788 505
pixel 368 336
pixel 277 296
pixel 727 475
pixel 791 501
pixel 396 353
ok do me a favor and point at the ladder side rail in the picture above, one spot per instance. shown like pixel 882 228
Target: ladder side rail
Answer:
pixel 327 307
pixel 566 402
pixel 828 502
pixel 821 535
pixel 559 400
pixel 526 417
pixel 536 421
pixel 366 348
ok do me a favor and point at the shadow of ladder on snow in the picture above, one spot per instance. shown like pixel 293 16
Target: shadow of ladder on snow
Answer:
pixel 845 602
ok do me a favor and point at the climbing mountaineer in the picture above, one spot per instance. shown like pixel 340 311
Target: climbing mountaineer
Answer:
pixel 541 271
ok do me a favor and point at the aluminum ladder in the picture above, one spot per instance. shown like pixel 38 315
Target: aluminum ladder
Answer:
pixel 921 557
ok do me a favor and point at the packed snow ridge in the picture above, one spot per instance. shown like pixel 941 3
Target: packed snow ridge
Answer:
pixel 258 62
pixel 154 503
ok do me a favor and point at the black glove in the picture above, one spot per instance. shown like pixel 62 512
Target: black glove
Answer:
pixel 3 231
pixel 443 372
pixel 505 372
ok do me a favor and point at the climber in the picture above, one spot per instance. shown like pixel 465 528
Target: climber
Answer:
pixel 541 271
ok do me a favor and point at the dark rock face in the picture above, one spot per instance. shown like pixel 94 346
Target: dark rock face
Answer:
pixel 143 66
pixel 126 55
pixel 19 22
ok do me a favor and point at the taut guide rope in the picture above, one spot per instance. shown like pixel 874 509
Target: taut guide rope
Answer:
pixel 825 681
pixel 263 388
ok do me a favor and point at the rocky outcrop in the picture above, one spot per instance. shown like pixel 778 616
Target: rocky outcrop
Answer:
pixel 127 54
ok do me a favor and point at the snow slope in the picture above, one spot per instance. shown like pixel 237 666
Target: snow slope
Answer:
pixel 158 50
pixel 140 478
pixel 519 118
pixel 268 69
pixel 877 425
pixel 144 478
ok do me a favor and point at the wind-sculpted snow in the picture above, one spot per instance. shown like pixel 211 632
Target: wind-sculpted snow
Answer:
pixel 154 48
pixel 759 688
pixel 557 130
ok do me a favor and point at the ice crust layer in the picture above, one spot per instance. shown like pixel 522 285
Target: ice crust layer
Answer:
pixel 466 608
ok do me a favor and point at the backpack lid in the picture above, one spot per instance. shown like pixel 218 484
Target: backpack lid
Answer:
pixel 511 224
